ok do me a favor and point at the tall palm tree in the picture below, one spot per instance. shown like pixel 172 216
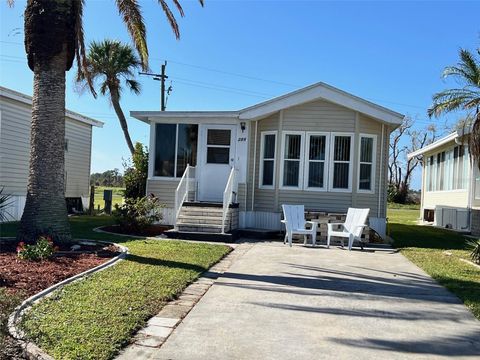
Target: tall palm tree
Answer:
pixel 53 39
pixel 464 98
pixel 110 62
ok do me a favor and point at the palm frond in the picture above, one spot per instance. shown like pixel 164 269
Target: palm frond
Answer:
pixel 134 86
pixel 474 140
pixel 83 73
pixel 5 202
pixel 133 19
pixel 179 7
pixel 451 100
pixel 170 17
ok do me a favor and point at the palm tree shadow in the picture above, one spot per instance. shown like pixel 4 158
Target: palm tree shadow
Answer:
pixel 166 263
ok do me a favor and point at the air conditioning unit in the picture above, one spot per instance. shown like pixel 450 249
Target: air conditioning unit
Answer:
pixel 452 218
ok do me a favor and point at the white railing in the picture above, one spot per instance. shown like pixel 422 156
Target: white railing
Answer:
pixel 230 189
pixel 184 189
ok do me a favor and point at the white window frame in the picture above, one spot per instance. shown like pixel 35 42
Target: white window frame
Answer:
pixel 306 157
pixel 332 162
pixel 262 159
pixel 301 160
pixel 373 163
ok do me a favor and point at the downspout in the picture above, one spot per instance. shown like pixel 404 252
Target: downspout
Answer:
pixel 254 164
pixel 382 172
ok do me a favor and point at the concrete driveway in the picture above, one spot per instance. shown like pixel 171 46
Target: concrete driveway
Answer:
pixel 277 302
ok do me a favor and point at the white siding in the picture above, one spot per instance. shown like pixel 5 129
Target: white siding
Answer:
pixel 15 150
pixel 164 190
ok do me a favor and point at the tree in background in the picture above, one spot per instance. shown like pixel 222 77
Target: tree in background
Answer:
pixel 465 97
pixel 136 172
pixel 405 140
pixel 111 178
pixel 53 39
pixel 110 62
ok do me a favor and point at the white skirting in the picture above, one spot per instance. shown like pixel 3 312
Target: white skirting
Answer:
pixel 260 220
pixel 15 209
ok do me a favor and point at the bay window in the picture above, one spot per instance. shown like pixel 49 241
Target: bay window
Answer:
pixel 175 147
pixel 366 167
pixel 341 161
pixel 267 165
pixel 292 154
pixel 316 155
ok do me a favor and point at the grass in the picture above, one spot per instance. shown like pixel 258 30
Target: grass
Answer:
pixel 438 252
pixel 117 196
pixel 96 317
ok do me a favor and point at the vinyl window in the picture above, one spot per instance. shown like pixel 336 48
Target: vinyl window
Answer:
pixel 316 154
pixel 268 147
pixel 366 167
pixel 292 160
pixel 341 162
pixel 175 147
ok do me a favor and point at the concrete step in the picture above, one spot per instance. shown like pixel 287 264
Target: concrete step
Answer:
pixel 201 211
pixel 201 220
pixel 214 229
pixel 202 236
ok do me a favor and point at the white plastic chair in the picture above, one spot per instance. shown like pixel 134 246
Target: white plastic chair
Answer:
pixel 294 220
pixel 352 228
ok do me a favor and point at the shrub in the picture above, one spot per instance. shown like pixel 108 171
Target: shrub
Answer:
pixel 135 215
pixel 41 250
pixel 475 254
pixel 136 172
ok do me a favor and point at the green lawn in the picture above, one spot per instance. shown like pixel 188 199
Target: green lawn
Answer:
pixel 437 252
pixel 94 318
pixel 117 196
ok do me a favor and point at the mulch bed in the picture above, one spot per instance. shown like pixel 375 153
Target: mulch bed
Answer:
pixel 30 277
pixel 150 231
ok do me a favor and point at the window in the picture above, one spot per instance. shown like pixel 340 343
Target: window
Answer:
pixel 341 162
pixel 175 147
pixel 218 146
pixel 292 150
pixel 267 165
pixel 366 170
pixel 448 170
pixel 315 155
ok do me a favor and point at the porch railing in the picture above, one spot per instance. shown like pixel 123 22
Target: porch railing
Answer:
pixel 185 188
pixel 230 190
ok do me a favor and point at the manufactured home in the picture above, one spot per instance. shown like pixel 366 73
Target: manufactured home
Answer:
pixel 15 124
pixel 319 146
pixel 450 184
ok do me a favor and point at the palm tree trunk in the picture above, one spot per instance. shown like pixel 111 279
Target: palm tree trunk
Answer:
pixel 115 97
pixel 45 209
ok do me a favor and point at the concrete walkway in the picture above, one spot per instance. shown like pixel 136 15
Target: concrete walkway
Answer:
pixel 277 302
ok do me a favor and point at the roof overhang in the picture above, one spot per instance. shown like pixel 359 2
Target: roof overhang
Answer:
pixel 25 99
pixel 146 116
pixel 318 91
pixel 445 140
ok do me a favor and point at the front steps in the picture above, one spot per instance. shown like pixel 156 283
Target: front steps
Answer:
pixel 203 221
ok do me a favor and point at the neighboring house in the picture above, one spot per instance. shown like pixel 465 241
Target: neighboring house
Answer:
pixel 450 184
pixel 15 124
pixel 318 146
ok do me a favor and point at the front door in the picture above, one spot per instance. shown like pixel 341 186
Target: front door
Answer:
pixel 217 154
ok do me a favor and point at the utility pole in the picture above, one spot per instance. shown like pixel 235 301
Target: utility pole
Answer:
pixel 160 77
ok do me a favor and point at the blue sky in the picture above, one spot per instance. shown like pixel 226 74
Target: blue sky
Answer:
pixel 236 53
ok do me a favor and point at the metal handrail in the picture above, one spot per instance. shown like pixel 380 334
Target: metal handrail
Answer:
pixel 183 188
pixel 228 195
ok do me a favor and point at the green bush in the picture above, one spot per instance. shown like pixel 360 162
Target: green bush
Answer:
pixel 136 172
pixel 43 249
pixel 475 254
pixel 135 215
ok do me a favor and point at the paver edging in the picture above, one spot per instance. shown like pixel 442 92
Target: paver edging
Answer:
pixel 147 340
pixel 33 351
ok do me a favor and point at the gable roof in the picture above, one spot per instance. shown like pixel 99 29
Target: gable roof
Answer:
pixel 317 91
pixel 25 99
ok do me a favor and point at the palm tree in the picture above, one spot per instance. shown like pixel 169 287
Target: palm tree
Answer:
pixel 53 39
pixel 110 61
pixel 465 98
